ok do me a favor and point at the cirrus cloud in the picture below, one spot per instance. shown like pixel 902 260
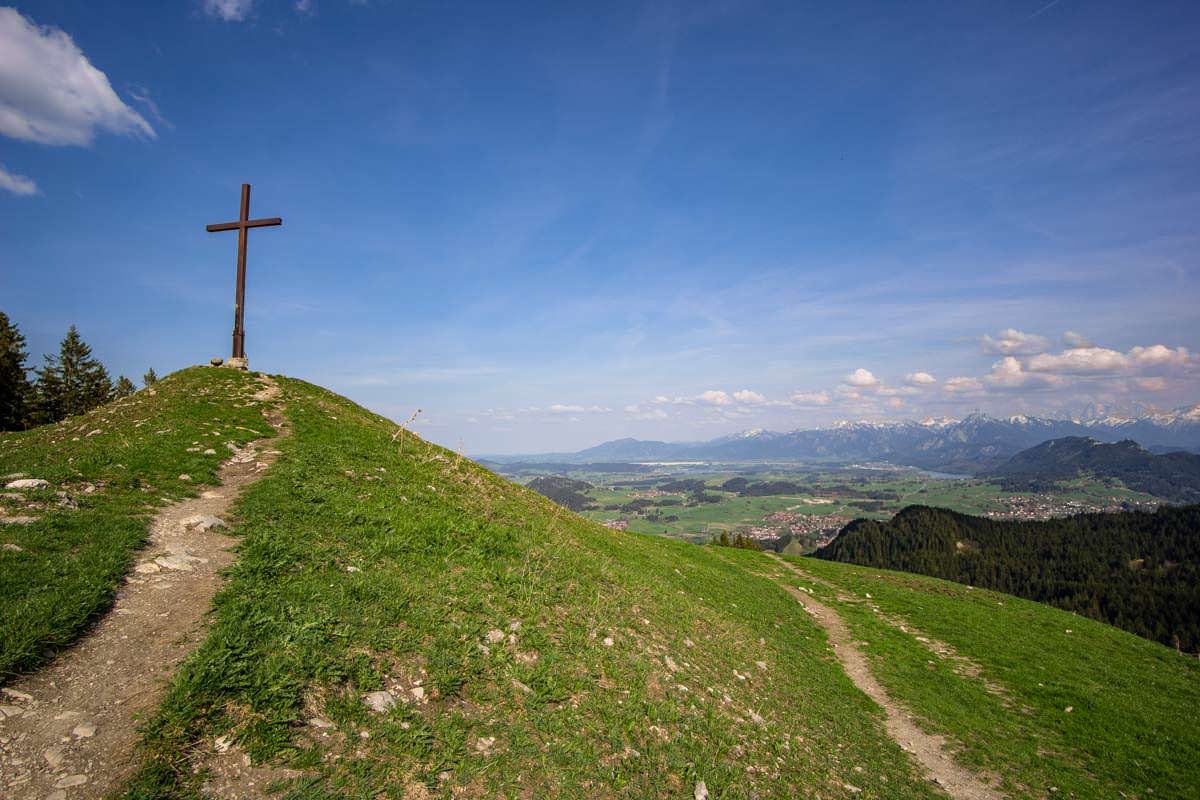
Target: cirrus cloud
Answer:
pixel 17 184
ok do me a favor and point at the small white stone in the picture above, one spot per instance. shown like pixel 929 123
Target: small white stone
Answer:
pixel 185 477
pixel 28 483
pixel 223 743
pixel 418 692
pixel 761 665
pixel 13 548
pixel 84 730
pixel 379 701
pixel 494 636
pixel 700 792
pixel 353 568
pixel 607 641
pixel 210 452
pixel 202 523
pixel 17 695
pixel 146 567
pixel 70 780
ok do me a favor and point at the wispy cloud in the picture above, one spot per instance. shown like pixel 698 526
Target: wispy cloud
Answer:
pixel 49 91
pixel 229 10
pixel 17 184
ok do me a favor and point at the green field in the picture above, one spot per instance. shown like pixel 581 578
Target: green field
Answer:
pixel 845 491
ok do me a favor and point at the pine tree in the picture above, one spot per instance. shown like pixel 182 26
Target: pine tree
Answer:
pixel 14 381
pixel 123 388
pixel 72 382
pixel 150 378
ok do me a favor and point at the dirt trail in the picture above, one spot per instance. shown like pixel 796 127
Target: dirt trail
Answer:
pixel 69 730
pixel 932 752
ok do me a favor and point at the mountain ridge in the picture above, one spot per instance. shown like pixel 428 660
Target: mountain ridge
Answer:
pixel 974 443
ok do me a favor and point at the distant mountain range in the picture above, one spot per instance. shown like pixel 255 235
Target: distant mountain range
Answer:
pixel 1174 476
pixel 976 443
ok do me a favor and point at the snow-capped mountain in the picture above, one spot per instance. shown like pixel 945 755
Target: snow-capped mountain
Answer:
pixel 971 444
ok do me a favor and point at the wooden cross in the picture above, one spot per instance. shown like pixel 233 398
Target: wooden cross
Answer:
pixel 242 225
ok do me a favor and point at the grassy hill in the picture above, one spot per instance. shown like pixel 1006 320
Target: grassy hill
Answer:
pixel 532 653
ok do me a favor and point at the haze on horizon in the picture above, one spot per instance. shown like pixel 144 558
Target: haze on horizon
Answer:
pixel 549 226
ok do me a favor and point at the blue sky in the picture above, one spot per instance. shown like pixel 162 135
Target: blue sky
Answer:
pixel 548 225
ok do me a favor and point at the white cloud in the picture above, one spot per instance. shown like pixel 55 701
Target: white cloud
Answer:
pixel 17 184
pixel 1010 373
pixel 50 93
pixel 961 385
pixel 1073 339
pixel 919 379
pixel 231 10
pixel 861 378
pixel 1012 342
pixel 1151 384
pixel 305 7
pixel 896 402
pixel 811 398
pixel 561 408
pixel 637 412
pixel 1080 360
pixel 715 397
pixel 750 398
pixel 1157 355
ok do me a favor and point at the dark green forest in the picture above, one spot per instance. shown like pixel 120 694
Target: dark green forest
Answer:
pixel 1174 476
pixel 1138 571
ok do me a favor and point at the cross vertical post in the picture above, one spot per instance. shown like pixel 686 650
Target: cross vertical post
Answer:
pixel 242 226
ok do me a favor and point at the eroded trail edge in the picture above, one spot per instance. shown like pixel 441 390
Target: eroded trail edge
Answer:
pixel 69 730
pixel 932 752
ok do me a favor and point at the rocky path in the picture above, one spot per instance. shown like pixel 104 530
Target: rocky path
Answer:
pixel 69 730
pixel 931 752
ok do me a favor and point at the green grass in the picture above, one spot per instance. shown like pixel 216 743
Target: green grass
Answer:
pixel 445 552
pixel 76 553
pixel 368 562
pixel 1131 729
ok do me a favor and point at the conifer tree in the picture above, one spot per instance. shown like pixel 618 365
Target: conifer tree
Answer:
pixel 14 381
pixel 150 378
pixel 123 388
pixel 72 382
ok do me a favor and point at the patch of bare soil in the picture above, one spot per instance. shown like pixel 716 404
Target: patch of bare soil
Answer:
pixel 932 752
pixel 69 730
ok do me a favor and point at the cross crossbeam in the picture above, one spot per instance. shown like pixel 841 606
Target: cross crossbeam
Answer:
pixel 242 225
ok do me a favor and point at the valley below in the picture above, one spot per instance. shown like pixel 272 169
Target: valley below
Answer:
pixel 797 507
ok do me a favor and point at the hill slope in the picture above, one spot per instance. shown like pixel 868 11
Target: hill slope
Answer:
pixel 1138 571
pixel 521 651
pixel 1174 476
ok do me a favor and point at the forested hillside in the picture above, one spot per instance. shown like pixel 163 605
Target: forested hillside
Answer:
pixel 1174 476
pixel 1138 571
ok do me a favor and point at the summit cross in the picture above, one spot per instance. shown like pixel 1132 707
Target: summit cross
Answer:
pixel 242 225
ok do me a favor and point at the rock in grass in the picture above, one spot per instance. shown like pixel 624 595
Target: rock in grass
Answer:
pixel 379 702
pixel 12 548
pixel 700 792
pixel 28 483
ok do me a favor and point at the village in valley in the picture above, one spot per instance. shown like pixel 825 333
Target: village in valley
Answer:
pixel 792 507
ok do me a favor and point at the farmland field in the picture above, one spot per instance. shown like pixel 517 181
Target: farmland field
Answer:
pixel 796 504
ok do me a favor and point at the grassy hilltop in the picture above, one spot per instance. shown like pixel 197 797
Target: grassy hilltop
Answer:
pixel 533 653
